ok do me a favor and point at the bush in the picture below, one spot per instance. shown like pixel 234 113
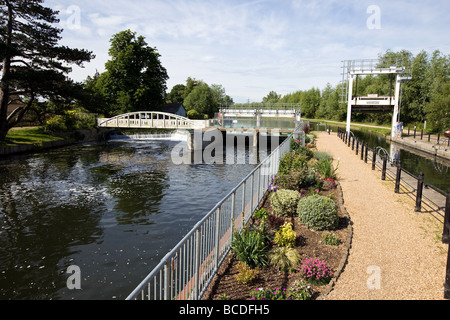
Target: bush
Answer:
pixel 284 202
pixel 246 274
pixel 268 294
pixel 300 290
pixel 249 247
pixel 285 259
pixel 56 123
pixel 304 151
pixel 194 115
pixel 318 212
pixel 285 236
pixel 330 239
pixel 261 214
pixel 325 168
pixel 292 161
pixel 316 271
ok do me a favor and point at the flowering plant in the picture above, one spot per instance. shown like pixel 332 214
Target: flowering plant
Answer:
pixel 300 290
pixel 328 184
pixel 316 271
pixel 268 294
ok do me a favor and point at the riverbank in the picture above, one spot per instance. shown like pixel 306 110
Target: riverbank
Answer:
pixel 438 150
pixel 61 140
pixel 396 253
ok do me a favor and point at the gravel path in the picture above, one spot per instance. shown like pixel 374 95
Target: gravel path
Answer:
pixel 396 254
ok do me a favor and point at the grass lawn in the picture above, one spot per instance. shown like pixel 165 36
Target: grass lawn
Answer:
pixel 27 136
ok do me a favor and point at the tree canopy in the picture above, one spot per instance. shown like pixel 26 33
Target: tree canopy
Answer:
pixel 33 65
pixel 134 80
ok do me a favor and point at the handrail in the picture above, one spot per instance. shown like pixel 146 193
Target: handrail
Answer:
pixel 182 273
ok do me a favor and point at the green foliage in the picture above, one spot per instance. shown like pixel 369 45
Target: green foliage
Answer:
pixel 134 80
pixel 269 293
pixel 292 161
pixel 33 64
pixel 285 236
pixel 261 214
pixel 284 202
pixel 194 114
pixel 322 155
pixel 325 168
pixel 300 290
pixel 330 239
pixel 249 247
pixel 318 212
pixel 201 99
pixel 70 120
pixel 246 274
pixel 284 258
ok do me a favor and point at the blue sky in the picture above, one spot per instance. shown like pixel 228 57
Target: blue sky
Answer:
pixel 254 47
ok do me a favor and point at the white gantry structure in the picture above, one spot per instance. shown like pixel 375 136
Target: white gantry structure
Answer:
pixel 151 120
pixel 401 71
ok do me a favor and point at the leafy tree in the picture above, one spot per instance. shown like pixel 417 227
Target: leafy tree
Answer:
pixel 33 65
pixel 134 80
pixel 272 97
pixel 176 95
pixel 201 99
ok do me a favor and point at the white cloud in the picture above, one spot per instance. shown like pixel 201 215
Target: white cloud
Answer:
pixel 253 47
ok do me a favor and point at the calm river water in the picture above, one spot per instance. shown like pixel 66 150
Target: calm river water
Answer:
pixel 113 210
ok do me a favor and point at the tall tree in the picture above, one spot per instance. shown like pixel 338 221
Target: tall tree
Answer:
pixel 135 79
pixel 33 65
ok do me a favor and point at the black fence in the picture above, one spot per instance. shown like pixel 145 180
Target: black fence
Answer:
pixel 415 183
pixel 433 138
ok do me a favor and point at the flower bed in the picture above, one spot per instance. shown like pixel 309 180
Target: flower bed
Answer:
pixel 284 274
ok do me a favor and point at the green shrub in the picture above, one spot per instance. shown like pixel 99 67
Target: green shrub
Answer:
pixel 325 168
pixel 330 239
pixel 246 274
pixel 284 258
pixel 249 247
pixel 56 123
pixel 300 290
pixel 318 213
pixel 322 155
pixel 292 161
pixel 284 202
pixel 261 214
pixel 269 293
pixel 285 236
pixel 304 151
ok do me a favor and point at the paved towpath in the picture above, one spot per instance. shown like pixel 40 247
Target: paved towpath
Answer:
pixel 396 254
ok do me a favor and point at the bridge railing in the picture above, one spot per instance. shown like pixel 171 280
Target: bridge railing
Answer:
pixel 187 270
pixel 151 120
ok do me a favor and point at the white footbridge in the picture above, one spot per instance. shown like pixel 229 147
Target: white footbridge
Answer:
pixel 151 120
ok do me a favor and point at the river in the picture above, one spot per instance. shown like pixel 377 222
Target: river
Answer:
pixel 113 210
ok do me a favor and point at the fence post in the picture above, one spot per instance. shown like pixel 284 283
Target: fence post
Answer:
pixel 353 143
pixel 419 192
pixel 367 152
pixel 349 139
pixel 197 263
pixel 446 240
pixel 383 172
pixel 398 177
pixel 362 150
pixel 357 146
pixel 374 159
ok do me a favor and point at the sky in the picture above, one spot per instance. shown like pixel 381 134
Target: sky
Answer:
pixel 254 47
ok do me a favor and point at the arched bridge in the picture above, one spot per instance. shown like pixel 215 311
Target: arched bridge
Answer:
pixel 151 119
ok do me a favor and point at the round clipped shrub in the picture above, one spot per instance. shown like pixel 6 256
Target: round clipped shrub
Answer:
pixel 284 202
pixel 318 212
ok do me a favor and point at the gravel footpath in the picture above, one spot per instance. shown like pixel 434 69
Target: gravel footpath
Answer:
pixel 396 254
